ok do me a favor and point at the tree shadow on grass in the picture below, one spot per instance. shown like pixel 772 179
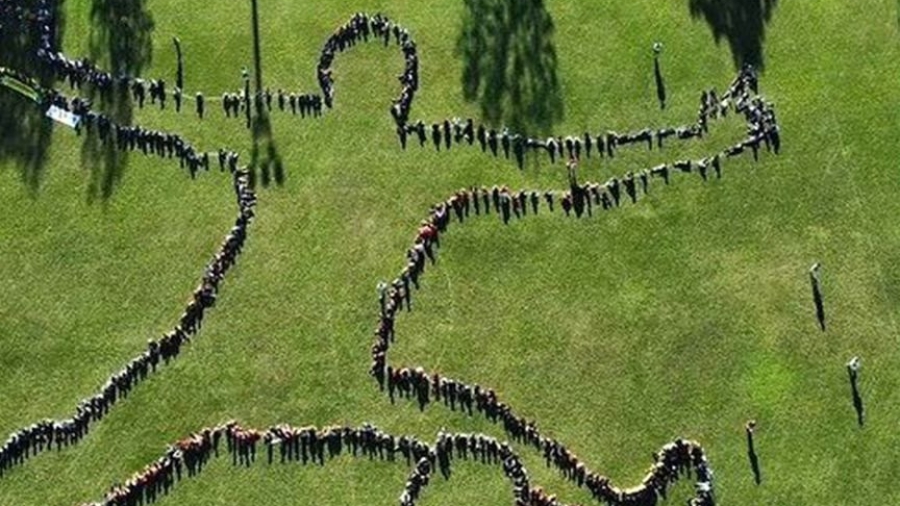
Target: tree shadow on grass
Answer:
pixel 264 156
pixel 741 22
pixel 121 43
pixel 25 133
pixel 510 64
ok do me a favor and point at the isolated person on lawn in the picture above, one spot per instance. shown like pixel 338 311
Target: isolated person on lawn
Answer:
pixel 853 367
pixel 657 73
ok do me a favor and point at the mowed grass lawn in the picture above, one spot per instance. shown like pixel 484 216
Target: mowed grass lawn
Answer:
pixel 685 315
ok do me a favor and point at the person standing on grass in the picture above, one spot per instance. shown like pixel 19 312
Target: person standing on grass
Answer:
pixel 815 279
pixel 750 429
pixel 853 367
pixel 660 85
pixel 381 289
pixel 245 75
pixel 200 104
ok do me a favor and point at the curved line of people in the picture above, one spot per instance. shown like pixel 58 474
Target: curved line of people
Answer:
pixel 416 383
pixel 44 435
pixel 579 199
pixel 424 388
pixel 741 95
pixel 315 446
pixel 764 134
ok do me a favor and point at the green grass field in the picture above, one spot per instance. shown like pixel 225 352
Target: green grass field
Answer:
pixel 684 315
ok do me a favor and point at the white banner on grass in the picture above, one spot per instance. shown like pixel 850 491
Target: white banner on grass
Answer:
pixel 63 116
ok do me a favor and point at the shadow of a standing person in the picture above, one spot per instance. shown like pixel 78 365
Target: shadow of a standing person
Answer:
pixel 815 279
pixel 657 74
pixel 751 451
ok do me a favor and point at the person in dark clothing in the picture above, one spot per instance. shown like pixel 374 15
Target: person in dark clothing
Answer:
pixel 436 136
pixel 576 190
pixel 717 166
pixel 199 101
pixel 447 133
pixel 492 141
pixel 420 132
pixel 518 146
pixel 505 206
pixel 630 187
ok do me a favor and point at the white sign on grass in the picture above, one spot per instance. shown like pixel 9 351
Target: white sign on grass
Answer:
pixel 63 116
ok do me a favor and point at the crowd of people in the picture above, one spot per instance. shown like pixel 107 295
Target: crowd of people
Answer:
pixel 418 384
pixel 47 434
pixel 305 445
pixel 423 387
pixel 310 445
pixel 410 382
pixel 741 97
pixel 415 383
pixel 579 199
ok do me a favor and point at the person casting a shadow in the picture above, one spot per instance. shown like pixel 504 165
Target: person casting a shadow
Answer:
pixel 657 73
pixel 751 451
pixel 853 367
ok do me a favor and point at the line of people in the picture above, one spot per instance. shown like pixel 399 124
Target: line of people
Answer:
pixel 415 383
pixel 306 445
pixel 187 457
pixel 423 250
pixel 742 96
pixel 578 200
pixel 44 435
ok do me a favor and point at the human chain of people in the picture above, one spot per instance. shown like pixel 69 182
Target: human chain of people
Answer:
pixel 309 445
pixel 443 134
pixel 414 382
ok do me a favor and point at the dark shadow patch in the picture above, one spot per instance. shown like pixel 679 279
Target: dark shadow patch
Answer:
pixel 25 134
pixel 265 160
pixel 120 42
pixel 510 64
pixel 741 22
